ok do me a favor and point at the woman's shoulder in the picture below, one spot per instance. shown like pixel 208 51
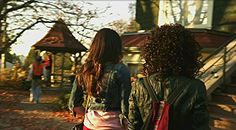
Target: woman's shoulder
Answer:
pixel 194 81
pixel 138 83
pixel 194 84
pixel 121 67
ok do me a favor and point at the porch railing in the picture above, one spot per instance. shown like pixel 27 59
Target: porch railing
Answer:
pixel 218 66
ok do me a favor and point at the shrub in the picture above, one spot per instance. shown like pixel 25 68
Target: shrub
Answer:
pixel 63 101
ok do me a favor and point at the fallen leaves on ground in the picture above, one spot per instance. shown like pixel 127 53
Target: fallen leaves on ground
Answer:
pixel 17 113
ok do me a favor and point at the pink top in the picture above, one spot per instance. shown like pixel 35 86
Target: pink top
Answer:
pixel 101 120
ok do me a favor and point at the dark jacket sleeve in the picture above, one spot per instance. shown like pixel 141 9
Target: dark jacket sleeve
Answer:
pixel 76 96
pixel 200 116
pixel 126 88
pixel 135 120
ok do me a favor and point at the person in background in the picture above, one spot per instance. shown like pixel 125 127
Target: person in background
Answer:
pixel 104 82
pixel 37 70
pixel 171 60
pixel 48 66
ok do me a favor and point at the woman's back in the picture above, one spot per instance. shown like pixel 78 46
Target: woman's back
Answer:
pixel 113 100
pixel 104 81
pixel 171 54
pixel 114 80
pixel 188 112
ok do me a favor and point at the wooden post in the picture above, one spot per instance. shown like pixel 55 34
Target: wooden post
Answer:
pixel 53 68
pixel 3 59
pixel 75 62
pixel 3 36
pixel 80 58
pixel 62 69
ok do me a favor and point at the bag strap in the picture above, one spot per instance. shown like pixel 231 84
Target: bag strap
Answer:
pixel 176 92
pixel 150 89
pixel 172 97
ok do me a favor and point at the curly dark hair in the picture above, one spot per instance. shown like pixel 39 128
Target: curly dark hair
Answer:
pixel 171 51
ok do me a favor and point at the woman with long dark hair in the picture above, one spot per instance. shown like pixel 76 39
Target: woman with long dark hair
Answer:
pixel 102 84
pixel 171 65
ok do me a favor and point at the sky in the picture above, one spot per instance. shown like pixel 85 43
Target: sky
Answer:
pixel 119 10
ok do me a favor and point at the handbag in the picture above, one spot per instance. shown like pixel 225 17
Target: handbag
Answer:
pixel 80 125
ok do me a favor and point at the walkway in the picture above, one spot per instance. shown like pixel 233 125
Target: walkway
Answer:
pixel 17 113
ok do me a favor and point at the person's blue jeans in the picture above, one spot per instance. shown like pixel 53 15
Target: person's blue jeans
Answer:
pixel 35 90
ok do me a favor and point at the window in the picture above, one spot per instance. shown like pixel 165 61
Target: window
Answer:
pixel 190 13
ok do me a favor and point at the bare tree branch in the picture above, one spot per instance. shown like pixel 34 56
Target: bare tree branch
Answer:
pixel 3 4
pixel 23 30
pixel 83 25
pixel 18 35
pixel 56 7
pixel 16 8
pixel 172 11
pixel 46 12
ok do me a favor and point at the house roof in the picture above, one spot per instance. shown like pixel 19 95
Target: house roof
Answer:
pixel 60 39
pixel 211 38
pixel 134 39
pixel 205 37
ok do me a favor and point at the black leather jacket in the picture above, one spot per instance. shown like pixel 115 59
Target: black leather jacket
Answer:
pixel 188 112
pixel 115 91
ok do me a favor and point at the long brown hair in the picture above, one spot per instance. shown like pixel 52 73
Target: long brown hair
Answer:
pixel 106 47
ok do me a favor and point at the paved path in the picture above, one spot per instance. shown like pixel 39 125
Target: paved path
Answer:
pixel 16 113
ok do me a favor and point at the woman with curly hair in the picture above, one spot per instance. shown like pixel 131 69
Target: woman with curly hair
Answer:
pixel 102 84
pixel 171 63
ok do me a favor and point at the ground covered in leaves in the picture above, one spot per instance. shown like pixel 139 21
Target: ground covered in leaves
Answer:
pixel 17 113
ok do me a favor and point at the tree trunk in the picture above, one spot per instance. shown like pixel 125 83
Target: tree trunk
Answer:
pixel 147 13
pixel 3 41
